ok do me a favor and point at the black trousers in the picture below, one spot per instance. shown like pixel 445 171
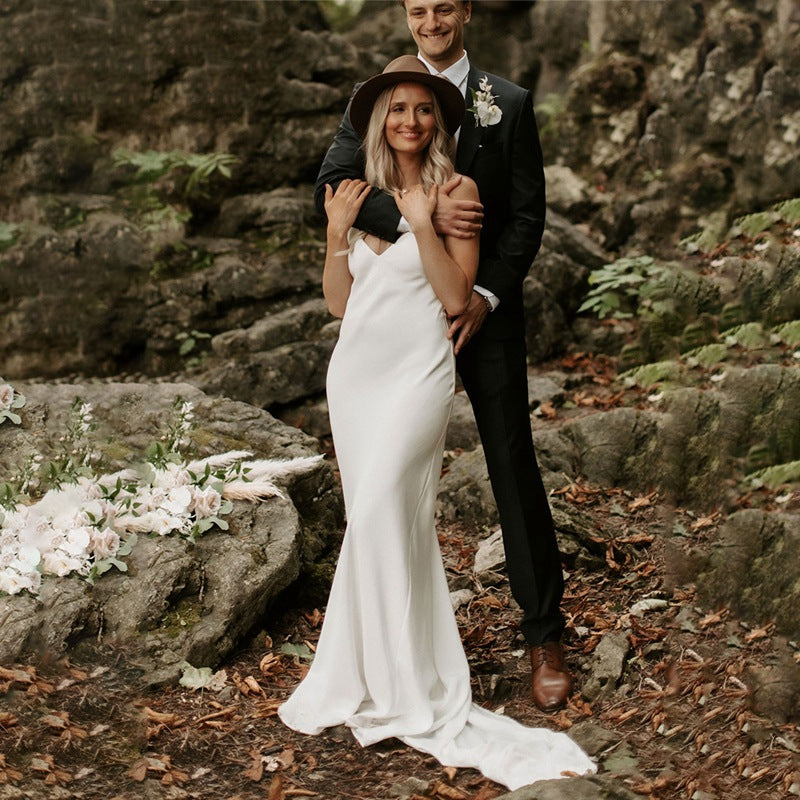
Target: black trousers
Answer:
pixel 494 375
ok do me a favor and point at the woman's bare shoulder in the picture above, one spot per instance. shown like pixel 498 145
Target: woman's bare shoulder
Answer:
pixel 466 190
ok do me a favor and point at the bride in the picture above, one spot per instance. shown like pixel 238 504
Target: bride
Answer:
pixel 390 662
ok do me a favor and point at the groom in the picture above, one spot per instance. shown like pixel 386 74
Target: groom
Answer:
pixel 498 147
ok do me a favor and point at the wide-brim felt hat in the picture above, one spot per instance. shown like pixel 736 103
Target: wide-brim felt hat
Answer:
pixel 406 69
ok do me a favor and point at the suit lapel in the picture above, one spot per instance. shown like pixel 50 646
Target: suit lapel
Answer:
pixel 470 137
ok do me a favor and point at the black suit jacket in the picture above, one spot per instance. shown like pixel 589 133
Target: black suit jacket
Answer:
pixel 505 161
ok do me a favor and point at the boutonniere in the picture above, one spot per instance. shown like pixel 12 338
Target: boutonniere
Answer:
pixel 486 111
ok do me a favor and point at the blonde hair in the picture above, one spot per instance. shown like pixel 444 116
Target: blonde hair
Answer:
pixel 381 169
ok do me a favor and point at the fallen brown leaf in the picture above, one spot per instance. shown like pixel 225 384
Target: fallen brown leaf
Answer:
pixel 217 724
pixel 714 618
pixel 168 720
pixel 704 522
pixel 643 502
pixel 138 772
pixel 256 770
pixel 314 618
pixel 223 712
pixel 7 773
pixel 254 686
pixel 442 790
pixel 270 662
pixel 276 788
pixel 7 720
pixel 758 633
pixel 546 410
pixel 18 675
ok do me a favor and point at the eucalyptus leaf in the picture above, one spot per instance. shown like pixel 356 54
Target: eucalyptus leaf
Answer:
pixel 297 650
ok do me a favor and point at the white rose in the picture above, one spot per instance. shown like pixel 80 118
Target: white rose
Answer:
pixel 206 502
pixel 28 558
pixel 6 396
pixel 104 543
pixel 154 499
pixel 11 582
pixel 172 476
pixel 159 522
pixel 59 563
pixel 77 541
pixel 96 512
pixel 178 500
pixel 33 581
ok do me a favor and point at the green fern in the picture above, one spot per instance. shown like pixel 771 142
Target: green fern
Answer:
pixel 701 242
pixel 9 231
pixel 750 335
pixel 776 475
pixel 551 110
pixel 789 210
pixel 152 165
pixel 707 355
pixel 753 224
pixel 650 374
pixel 788 333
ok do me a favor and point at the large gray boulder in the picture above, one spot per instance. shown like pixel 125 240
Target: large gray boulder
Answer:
pixel 753 566
pixel 593 787
pixel 177 601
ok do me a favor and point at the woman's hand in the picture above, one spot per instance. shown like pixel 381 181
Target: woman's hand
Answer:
pixel 342 207
pixel 417 205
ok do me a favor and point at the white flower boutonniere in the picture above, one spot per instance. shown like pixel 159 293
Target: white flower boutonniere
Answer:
pixel 485 110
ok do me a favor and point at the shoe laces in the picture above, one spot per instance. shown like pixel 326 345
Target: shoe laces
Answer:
pixel 542 654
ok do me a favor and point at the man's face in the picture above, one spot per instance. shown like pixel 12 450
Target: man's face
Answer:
pixel 438 29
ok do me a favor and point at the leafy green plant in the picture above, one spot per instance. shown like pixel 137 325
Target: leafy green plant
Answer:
pixel 703 241
pixel 189 346
pixel 750 335
pixel 152 165
pixel 550 110
pixel 628 286
pixel 789 210
pixel 750 225
pixel 340 14
pixel 76 456
pixel 707 356
pixel 651 374
pixel 9 232
pixel 160 175
pixel 789 332
pixel 776 475
pixel 753 224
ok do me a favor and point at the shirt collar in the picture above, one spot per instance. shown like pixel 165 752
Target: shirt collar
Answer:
pixel 456 73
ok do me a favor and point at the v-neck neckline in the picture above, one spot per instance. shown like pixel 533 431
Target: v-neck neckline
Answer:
pixel 388 247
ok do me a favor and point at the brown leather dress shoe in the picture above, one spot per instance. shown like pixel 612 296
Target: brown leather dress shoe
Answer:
pixel 551 681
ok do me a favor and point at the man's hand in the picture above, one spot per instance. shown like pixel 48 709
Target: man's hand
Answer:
pixel 460 218
pixel 465 326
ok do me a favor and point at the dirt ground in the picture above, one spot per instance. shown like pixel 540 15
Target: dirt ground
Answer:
pixel 680 724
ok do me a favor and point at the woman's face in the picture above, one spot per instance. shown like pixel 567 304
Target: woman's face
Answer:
pixel 411 121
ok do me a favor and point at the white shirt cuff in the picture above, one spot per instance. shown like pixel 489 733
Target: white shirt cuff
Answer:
pixel 492 298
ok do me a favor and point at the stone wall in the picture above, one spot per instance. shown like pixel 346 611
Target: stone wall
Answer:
pixel 658 120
